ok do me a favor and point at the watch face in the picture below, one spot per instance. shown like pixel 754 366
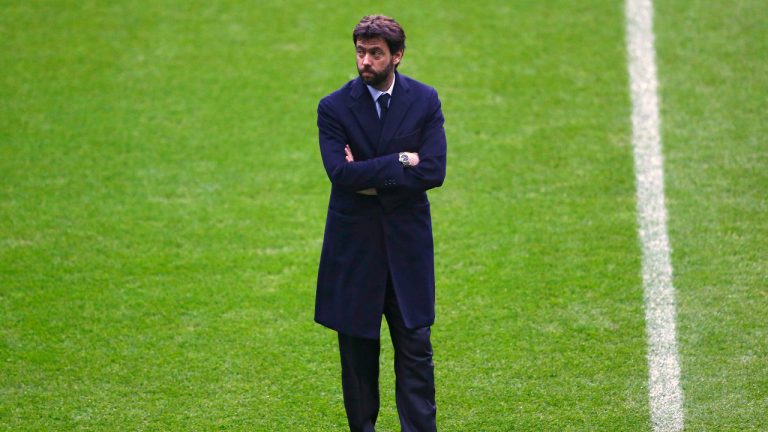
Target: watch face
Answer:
pixel 404 158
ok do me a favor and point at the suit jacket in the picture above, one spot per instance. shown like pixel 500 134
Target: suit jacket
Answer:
pixel 370 238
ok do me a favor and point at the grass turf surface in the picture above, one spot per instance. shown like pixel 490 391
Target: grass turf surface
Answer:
pixel 714 78
pixel 162 208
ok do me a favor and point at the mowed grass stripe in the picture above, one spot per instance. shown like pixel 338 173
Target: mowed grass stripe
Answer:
pixel 666 397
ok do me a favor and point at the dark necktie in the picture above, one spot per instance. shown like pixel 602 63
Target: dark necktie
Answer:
pixel 383 101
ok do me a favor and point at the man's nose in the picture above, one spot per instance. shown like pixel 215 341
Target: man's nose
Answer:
pixel 367 60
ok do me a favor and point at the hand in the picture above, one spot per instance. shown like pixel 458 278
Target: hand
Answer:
pixel 348 153
pixel 413 158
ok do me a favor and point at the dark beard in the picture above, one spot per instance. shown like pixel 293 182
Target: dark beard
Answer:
pixel 377 78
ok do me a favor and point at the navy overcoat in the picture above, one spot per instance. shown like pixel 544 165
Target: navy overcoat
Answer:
pixel 369 238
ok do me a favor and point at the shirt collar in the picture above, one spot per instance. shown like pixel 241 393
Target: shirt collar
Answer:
pixel 375 93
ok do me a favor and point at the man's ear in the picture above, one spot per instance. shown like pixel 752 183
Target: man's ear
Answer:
pixel 397 57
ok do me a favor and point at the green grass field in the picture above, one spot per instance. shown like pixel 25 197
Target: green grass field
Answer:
pixel 162 208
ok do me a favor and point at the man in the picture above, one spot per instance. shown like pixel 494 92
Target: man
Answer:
pixel 383 146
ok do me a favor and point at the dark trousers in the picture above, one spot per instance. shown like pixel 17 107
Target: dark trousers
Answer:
pixel 414 375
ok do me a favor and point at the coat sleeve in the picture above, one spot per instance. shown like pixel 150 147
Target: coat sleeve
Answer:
pixel 430 172
pixel 379 173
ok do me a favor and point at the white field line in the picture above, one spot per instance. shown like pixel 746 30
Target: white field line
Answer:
pixel 665 394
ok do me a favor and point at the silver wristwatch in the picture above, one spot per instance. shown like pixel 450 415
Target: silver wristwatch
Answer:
pixel 404 159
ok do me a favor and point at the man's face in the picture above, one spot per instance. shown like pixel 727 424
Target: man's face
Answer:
pixel 374 61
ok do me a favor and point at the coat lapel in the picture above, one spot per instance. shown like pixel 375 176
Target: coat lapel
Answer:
pixel 361 105
pixel 398 108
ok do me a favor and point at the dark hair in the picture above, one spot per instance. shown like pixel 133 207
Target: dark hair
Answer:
pixel 373 26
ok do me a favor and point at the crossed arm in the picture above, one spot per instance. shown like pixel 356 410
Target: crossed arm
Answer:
pixel 385 171
pixel 413 160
